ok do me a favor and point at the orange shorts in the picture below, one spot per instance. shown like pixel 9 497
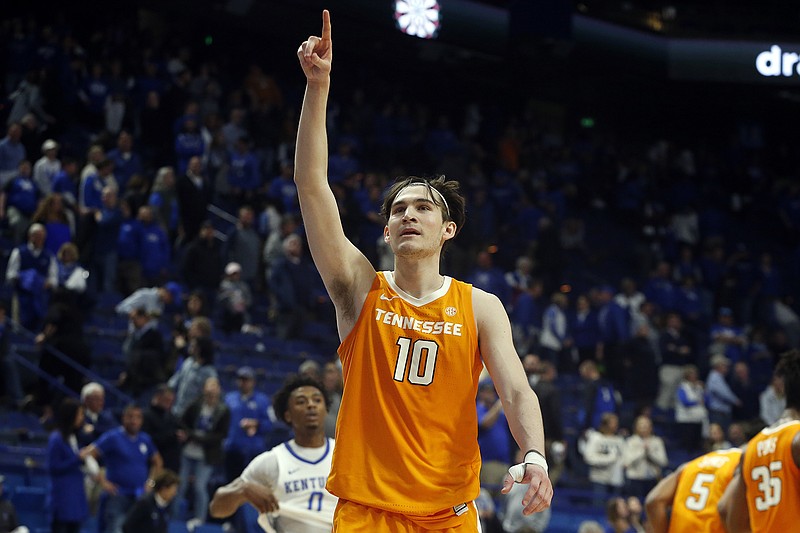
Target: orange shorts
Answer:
pixel 351 517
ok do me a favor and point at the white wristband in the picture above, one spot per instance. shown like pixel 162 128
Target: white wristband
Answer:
pixel 536 458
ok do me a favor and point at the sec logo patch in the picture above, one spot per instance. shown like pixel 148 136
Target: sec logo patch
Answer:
pixel 450 311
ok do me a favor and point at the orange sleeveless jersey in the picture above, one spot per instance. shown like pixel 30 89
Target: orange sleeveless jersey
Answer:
pixel 701 484
pixel 772 479
pixel 406 436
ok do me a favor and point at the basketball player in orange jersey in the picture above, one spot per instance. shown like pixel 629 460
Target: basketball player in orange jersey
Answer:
pixel 692 492
pixel 763 494
pixel 413 343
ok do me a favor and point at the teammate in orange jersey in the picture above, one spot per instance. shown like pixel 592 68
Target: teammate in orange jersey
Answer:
pixel 763 494
pixel 692 492
pixel 413 345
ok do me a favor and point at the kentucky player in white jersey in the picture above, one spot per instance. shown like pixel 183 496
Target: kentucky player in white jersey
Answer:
pixel 287 483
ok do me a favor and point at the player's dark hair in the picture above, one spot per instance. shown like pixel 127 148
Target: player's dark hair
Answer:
pixel 788 368
pixel 280 400
pixel 453 206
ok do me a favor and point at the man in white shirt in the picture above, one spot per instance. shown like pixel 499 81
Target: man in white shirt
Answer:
pixel 772 401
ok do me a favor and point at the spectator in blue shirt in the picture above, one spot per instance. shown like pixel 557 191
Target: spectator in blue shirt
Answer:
pixel 490 278
pixel 131 459
pixel 727 337
pixel 68 503
pixel 251 420
pixel 155 248
pixel 494 437
pixel 65 182
pixel 18 201
pixel 613 322
pixel 127 162
pixel 90 196
pixel 244 176
pixel 584 329
pixel 12 152
pixel 660 289
pixel 93 93
pixel 189 143
pixel 721 399
pixel 283 190
pixel 129 251
pixel 106 241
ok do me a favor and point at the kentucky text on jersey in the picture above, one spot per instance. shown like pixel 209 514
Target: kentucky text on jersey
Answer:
pixel 310 483
pixel 411 323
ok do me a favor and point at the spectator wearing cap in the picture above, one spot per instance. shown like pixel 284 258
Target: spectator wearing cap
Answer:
pixel 494 437
pixel 721 398
pixel 234 299
pixel 251 420
pixel 9 523
pixel 153 300
pixel 202 263
pixel 155 247
pixel 46 167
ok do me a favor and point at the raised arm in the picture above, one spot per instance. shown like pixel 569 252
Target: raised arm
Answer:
pixel 520 403
pixel 347 274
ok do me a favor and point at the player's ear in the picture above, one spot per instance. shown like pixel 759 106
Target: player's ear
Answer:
pixel 386 234
pixel 449 230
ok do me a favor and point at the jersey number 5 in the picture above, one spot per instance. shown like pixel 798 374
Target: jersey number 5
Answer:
pixel 768 485
pixel 699 492
pixel 421 349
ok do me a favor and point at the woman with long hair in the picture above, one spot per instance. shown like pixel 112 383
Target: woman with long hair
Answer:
pixel 57 219
pixel 67 498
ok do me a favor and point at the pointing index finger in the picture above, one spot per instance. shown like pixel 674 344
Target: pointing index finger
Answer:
pixel 326 25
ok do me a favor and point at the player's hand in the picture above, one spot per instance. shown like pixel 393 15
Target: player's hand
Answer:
pixel 316 53
pixel 540 490
pixel 261 497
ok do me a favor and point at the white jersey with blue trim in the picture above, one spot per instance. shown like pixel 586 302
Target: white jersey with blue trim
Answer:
pixel 297 477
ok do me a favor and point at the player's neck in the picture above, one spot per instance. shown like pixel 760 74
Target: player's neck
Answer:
pixel 418 278
pixel 310 439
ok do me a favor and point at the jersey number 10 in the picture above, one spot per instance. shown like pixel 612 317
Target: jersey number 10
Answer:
pixel 420 347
